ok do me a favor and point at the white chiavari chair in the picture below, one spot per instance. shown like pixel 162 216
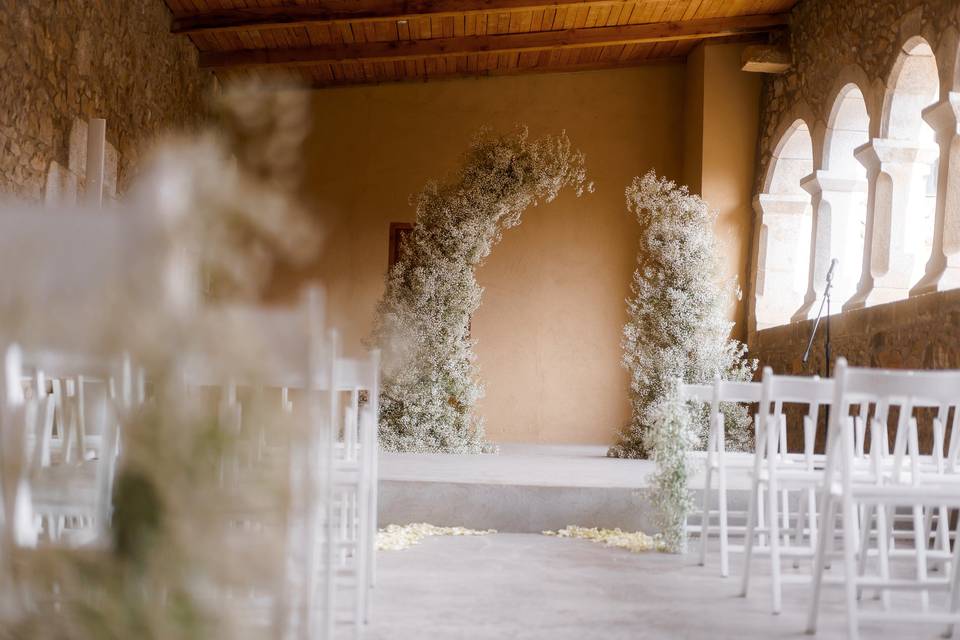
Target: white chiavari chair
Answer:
pixel 354 508
pixel 281 433
pixel 719 464
pixel 865 493
pixel 347 523
pixel 777 474
pixel 70 493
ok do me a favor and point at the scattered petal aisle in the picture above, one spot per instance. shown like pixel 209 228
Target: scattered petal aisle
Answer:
pixel 395 537
pixel 637 542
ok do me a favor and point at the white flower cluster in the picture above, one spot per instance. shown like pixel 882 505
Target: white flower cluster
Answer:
pixel 677 327
pixel 429 376
pixel 228 198
pixel 395 537
pixel 677 331
pixel 636 542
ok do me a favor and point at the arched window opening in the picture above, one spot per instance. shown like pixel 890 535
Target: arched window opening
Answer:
pixel 914 85
pixel 843 187
pixel 786 224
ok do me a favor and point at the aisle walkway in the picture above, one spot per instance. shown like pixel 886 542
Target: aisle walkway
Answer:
pixel 526 587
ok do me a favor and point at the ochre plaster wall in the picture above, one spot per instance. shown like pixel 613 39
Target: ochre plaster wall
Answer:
pixel 720 141
pixel 549 327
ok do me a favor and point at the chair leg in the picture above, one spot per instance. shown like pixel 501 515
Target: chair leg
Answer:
pixel 812 517
pixel 749 535
pixel 705 505
pixel 761 515
pixel 867 518
pixel 724 524
pixel 920 539
pixel 850 567
pixel 820 561
pixel 773 495
pixel 883 552
pixel 954 629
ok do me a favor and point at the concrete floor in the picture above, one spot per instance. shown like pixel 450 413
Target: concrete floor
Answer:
pixel 525 587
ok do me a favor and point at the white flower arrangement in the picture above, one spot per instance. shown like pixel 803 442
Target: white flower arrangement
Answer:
pixel 677 331
pixel 228 198
pixel 429 375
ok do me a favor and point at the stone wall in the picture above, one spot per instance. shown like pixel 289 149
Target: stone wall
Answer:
pixel 919 333
pixel 67 61
pixel 833 43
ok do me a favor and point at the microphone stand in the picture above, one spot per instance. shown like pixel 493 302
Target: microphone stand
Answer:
pixel 825 303
pixel 826 343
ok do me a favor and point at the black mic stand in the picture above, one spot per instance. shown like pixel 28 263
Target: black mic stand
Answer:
pixel 826 343
pixel 825 303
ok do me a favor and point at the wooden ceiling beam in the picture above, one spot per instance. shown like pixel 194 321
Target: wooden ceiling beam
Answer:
pixel 513 71
pixel 327 11
pixel 500 43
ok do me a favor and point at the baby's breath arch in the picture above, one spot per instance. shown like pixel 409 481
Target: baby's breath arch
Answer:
pixel 430 377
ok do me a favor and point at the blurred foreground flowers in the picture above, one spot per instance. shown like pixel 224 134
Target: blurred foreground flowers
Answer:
pixel 199 512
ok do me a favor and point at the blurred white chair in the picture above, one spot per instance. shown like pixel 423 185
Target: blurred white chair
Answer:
pixel 720 463
pixel 79 272
pixel 776 473
pixel 865 491
pixel 355 477
pixel 68 498
pixel 345 435
pixel 284 349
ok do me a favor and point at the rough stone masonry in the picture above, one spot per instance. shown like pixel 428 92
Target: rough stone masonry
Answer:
pixel 836 41
pixel 69 60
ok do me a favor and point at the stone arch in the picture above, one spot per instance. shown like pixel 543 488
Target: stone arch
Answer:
pixel 785 223
pixel 948 58
pixel 912 84
pixel 842 190
pixel 909 175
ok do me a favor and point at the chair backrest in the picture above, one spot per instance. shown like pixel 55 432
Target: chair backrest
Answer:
pixel 76 267
pixel 81 388
pixel 810 394
pixel 26 425
pixel 695 392
pixel 904 391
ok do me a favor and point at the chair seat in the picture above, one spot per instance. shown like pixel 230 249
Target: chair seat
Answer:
pixel 907 494
pixel 65 488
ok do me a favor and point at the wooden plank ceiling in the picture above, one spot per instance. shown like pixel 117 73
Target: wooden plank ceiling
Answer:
pixel 340 42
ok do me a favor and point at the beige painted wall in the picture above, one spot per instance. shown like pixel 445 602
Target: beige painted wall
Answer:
pixel 549 326
pixel 721 127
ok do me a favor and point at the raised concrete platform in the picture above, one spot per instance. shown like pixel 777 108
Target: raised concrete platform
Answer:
pixel 522 489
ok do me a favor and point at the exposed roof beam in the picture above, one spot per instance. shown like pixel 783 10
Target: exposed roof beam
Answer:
pixel 500 43
pixel 326 11
pixel 761 58
pixel 513 71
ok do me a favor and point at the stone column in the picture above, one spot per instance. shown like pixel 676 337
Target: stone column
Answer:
pixel 782 218
pixel 834 198
pixel 943 269
pixel 892 168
